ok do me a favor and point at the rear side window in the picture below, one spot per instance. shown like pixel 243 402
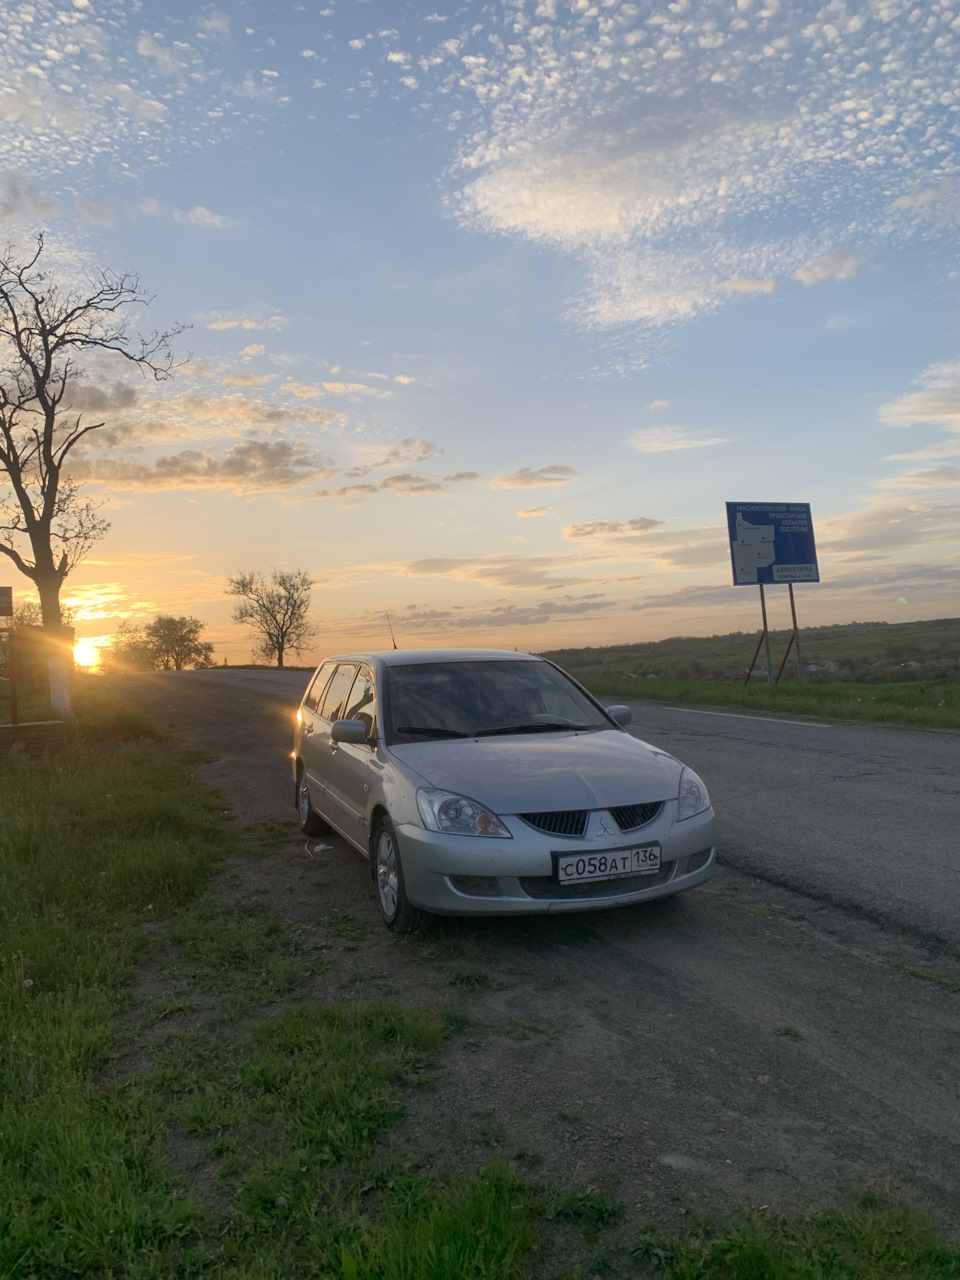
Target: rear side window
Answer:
pixel 336 691
pixel 318 684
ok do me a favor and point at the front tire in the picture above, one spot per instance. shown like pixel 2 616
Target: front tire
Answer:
pixel 398 913
pixel 311 824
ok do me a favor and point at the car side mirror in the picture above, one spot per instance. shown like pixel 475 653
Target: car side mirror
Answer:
pixel 354 731
pixel 620 713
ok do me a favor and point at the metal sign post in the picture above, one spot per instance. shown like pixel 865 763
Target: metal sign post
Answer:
pixel 772 542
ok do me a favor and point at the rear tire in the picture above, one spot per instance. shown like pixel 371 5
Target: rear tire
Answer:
pixel 396 910
pixel 311 824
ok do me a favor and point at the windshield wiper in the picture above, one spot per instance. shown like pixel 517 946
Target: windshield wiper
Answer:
pixel 431 731
pixel 529 728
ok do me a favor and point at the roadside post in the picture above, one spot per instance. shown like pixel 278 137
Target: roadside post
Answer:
pixel 7 663
pixel 770 543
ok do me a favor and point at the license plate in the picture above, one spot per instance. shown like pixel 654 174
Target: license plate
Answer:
pixel 611 865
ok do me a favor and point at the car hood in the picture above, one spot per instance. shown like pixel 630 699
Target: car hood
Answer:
pixel 531 773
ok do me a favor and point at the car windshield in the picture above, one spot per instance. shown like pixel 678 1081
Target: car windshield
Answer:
pixel 485 699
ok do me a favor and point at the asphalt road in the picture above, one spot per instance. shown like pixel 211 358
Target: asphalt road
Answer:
pixel 867 819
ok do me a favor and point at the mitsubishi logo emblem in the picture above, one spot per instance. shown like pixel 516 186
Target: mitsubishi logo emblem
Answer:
pixel 604 829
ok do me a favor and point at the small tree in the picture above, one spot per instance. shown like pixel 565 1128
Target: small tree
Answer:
pixel 175 642
pixel 130 650
pixel 47 526
pixel 26 613
pixel 276 610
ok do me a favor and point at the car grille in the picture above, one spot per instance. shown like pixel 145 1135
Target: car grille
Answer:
pixel 549 887
pixel 573 822
pixel 564 822
pixel 630 816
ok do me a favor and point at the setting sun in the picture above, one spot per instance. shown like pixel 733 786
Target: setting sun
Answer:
pixel 86 654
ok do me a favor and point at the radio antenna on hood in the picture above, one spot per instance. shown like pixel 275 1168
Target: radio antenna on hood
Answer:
pixel 390 625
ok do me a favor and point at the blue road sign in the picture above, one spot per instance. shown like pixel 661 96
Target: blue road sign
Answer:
pixel 771 542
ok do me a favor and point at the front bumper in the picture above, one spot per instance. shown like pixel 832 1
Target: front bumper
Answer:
pixel 460 875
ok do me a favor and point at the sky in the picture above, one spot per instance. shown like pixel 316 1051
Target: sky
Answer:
pixel 493 306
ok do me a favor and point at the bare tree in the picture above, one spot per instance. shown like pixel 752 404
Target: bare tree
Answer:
pixel 47 526
pixel 276 610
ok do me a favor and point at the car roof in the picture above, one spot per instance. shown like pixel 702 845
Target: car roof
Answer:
pixel 405 657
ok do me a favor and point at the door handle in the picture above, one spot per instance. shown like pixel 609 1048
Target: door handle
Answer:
pixel 308 729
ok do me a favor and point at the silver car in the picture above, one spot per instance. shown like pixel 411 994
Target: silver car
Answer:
pixel 481 782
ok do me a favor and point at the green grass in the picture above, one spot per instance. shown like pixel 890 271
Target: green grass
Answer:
pixel 873 1241
pixel 905 674
pixel 863 651
pixel 203 1130
pixel 99 852
pixel 99 716
pixel 91 848
pixel 920 706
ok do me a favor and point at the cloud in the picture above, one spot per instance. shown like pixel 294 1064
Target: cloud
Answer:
pixel 462 477
pixel 252 466
pixel 215 26
pixel 538 573
pixel 668 439
pixel 199 216
pixel 607 528
pixel 419 619
pixel 406 450
pixel 736 284
pixel 353 389
pixel 230 320
pixel 659 404
pixel 882 530
pixel 937 400
pixel 169 61
pixel 527 479
pixel 679 154
pixel 918 199
pixel 99 215
pixel 302 390
pixel 22 201
pixel 407 483
pixel 87 396
pixel 184 416
pixel 832 266
pixel 535 511
pixel 249 380
pixel 255 349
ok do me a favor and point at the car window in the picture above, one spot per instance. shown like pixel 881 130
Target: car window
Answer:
pixel 318 684
pixel 360 704
pixel 450 699
pixel 336 689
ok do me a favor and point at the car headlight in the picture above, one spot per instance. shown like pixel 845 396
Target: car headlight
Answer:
pixel 458 815
pixel 692 798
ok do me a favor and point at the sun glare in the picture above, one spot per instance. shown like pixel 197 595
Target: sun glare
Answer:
pixel 86 654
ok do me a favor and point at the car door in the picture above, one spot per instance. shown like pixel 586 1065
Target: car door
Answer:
pixel 307 724
pixel 316 741
pixel 348 762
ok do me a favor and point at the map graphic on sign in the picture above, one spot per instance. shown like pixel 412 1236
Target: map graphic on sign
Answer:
pixel 771 542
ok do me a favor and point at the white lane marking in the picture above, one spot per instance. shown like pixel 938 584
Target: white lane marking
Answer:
pixel 747 715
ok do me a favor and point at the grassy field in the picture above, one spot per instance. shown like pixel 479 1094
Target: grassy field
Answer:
pixel 924 705
pixel 236 1129
pixel 907 675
